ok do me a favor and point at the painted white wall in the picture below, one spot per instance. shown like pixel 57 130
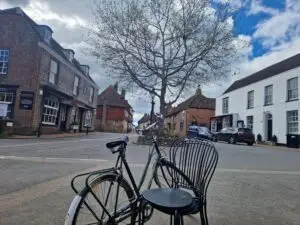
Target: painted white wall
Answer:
pixel 238 104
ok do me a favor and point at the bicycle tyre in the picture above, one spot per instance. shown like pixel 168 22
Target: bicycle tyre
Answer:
pixel 81 199
pixel 164 166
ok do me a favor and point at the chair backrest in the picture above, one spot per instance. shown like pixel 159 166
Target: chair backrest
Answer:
pixel 197 159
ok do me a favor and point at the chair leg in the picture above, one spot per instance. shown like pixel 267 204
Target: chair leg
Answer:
pixel 205 215
pixel 177 219
pixel 202 216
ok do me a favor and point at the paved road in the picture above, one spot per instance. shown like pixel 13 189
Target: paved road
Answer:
pixel 252 185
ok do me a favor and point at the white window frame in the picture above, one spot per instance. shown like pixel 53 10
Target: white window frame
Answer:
pixel 292 89
pixel 269 95
pixel 225 104
pixel 250 99
pixel 91 97
pixel 4 57
pixel 225 122
pixel 76 85
pixel 292 120
pixel 250 122
pixel 88 119
pixel 50 112
pixel 7 100
pixel 53 71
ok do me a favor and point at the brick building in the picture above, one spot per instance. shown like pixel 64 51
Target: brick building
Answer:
pixel 196 110
pixel 114 114
pixel 42 86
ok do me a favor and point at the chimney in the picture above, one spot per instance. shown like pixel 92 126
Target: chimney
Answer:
pixel 116 86
pixel 85 69
pixel 199 91
pixel 123 92
pixel 69 53
pixel 46 32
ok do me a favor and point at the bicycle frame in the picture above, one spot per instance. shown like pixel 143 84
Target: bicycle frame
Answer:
pixel 118 170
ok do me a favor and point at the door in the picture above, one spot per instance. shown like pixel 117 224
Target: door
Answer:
pixel 270 129
pixel 63 118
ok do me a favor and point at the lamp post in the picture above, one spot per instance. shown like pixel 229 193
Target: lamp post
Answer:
pixel 152 105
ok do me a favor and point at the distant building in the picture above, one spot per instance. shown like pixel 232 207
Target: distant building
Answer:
pixel 145 121
pixel 42 86
pixel 114 114
pixel 266 101
pixel 196 110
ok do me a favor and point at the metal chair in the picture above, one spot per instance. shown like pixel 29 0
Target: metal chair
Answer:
pixel 197 159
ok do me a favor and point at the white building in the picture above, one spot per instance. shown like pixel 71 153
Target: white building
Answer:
pixel 266 101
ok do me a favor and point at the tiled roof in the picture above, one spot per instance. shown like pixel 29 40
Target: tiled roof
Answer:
pixel 112 98
pixel 147 118
pixel 270 71
pixel 198 101
pixel 53 44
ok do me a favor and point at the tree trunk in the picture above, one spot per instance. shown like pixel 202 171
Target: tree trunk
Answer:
pixel 162 98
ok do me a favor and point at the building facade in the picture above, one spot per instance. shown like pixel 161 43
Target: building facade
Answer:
pixel 42 86
pixel 196 110
pixel 114 114
pixel 266 101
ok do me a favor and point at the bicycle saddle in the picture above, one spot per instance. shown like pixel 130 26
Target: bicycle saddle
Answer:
pixel 124 140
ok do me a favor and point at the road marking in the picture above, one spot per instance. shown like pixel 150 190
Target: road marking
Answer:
pixel 137 165
pixel 59 142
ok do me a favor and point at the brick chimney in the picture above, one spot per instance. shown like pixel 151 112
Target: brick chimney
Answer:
pixel 123 92
pixel 116 86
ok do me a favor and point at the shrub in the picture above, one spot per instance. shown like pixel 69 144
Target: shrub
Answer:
pixel 274 139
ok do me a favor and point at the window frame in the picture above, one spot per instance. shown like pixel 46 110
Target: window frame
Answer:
pixel 52 73
pixel 226 99
pixel 5 62
pixel 267 95
pixel 295 123
pixel 53 111
pixel 10 104
pixel 88 117
pixel 289 98
pixel 76 88
pixel 91 96
pixel 247 120
pixel 248 99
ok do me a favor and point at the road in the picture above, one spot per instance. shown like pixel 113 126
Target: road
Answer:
pixel 252 185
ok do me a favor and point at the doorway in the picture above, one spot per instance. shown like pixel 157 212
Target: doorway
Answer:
pixel 269 126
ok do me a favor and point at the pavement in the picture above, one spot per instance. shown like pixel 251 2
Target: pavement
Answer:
pixel 252 184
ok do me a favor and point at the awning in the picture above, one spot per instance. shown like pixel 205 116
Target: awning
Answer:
pixel 81 106
pixel 67 102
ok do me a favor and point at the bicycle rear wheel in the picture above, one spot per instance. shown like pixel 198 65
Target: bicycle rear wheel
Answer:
pixel 113 192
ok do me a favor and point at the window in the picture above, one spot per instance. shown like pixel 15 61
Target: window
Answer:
pixel 226 122
pixel 53 72
pixel 91 94
pixel 250 101
pixel 4 61
pixel 292 89
pixel 250 122
pixel 181 126
pixel 269 95
pixel 50 111
pixel 88 119
pixel 292 122
pixel 76 86
pixel 225 105
pixel 7 99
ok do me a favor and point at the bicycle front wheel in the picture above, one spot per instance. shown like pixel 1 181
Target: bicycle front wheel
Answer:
pixel 113 193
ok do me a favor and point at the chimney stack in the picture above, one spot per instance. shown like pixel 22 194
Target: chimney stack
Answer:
pixel 123 92
pixel 116 86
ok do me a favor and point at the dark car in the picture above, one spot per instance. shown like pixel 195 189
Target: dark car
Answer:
pixel 199 132
pixel 233 135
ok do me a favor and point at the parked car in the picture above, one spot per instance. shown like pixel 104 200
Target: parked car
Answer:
pixel 199 132
pixel 233 135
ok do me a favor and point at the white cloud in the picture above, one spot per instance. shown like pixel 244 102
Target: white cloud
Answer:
pixel 257 7
pixel 41 12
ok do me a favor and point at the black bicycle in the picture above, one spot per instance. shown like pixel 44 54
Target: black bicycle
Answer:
pixel 108 197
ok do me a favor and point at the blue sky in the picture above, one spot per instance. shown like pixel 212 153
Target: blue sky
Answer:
pixel 270 27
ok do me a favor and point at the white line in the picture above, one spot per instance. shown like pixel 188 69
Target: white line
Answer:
pixel 277 172
pixel 57 142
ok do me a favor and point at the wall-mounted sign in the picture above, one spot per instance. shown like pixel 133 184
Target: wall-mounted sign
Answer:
pixel 3 109
pixel 26 100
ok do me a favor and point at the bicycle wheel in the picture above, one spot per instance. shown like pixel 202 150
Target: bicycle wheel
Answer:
pixel 114 193
pixel 167 175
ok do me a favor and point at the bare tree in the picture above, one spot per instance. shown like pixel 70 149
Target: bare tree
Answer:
pixel 165 45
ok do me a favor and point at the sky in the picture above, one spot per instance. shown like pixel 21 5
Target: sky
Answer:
pixel 270 27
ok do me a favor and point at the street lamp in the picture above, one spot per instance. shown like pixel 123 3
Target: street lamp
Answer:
pixel 152 105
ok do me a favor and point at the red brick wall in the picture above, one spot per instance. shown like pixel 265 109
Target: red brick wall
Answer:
pixel 22 42
pixel 113 113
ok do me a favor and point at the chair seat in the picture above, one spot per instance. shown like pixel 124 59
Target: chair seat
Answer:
pixel 168 200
